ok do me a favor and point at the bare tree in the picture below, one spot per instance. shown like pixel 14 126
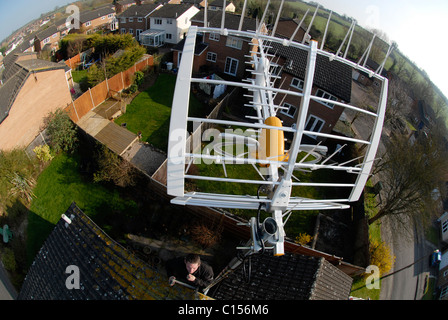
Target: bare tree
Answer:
pixel 410 172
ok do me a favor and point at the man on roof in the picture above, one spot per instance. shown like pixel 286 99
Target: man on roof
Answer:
pixel 189 270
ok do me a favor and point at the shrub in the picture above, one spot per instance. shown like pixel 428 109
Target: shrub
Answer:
pixel 113 168
pixel 62 131
pixel 22 186
pixel 43 153
pixel 204 236
pixel 303 239
pixel 9 260
pixel 381 256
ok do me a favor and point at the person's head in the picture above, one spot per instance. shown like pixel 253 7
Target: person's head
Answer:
pixel 192 262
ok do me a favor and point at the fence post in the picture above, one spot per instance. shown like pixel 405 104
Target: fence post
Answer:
pixel 74 108
pixel 91 98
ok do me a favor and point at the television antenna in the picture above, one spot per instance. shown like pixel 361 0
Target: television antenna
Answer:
pixel 262 145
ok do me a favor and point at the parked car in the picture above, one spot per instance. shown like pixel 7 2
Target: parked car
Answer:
pixel 436 257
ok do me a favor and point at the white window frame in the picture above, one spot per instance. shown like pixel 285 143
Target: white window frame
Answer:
pixel 158 21
pixel 443 292
pixel 169 21
pixel 228 70
pixel 214 36
pixel 211 56
pixel 131 31
pixel 123 19
pixel 323 94
pixel 290 108
pixel 137 32
pixel 88 23
pixel 445 226
pixel 131 19
pixel 299 84
pixel 123 30
pixel 139 19
pixel 168 36
pixel 234 42
pixel 313 126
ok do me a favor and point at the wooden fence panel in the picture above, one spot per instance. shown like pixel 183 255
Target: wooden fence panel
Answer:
pixel 83 104
pixel 74 61
pixel 99 93
pixel 70 109
pixel 115 83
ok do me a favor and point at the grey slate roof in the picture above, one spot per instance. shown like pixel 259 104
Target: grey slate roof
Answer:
pixel 232 20
pixel 139 11
pixel 331 76
pixel 288 277
pixel 48 32
pixel 94 14
pixel 107 270
pixel 171 11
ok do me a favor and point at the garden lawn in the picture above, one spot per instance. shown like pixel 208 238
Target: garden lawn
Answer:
pixel 57 187
pixel 150 111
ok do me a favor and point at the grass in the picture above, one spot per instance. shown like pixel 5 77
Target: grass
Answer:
pixel 150 111
pixel 79 75
pixel 57 187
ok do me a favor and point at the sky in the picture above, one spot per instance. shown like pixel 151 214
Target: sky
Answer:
pixel 419 27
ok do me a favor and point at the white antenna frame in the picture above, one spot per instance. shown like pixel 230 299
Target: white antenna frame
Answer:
pixel 279 202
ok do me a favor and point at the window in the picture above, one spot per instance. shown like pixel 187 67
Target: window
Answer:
pixel 169 36
pixel 234 43
pixel 137 32
pixel 88 23
pixel 445 226
pixel 211 56
pixel 314 124
pixel 157 21
pixel 443 292
pixel 47 40
pixel 123 20
pixel 123 30
pixel 140 19
pixel 214 36
pixel 110 15
pixel 326 95
pixel 231 66
pixel 297 83
pixel 55 35
pixel 131 19
pixel 131 31
pixel 103 17
pixel 290 112
pixel 169 21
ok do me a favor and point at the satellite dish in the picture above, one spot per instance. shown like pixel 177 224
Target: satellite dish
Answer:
pixel 263 144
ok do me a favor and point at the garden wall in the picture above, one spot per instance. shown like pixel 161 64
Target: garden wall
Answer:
pixel 98 94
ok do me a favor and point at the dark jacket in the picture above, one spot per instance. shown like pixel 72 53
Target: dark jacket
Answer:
pixel 176 267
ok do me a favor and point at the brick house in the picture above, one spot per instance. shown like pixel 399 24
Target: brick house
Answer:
pixel 47 39
pixel 99 19
pixel 216 5
pixel 442 282
pixel 31 89
pixel 224 54
pixel 169 24
pixel 332 80
pixel 135 19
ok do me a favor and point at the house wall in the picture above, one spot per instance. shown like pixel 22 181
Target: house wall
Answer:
pixel 223 51
pixel 444 227
pixel 53 42
pixel 330 116
pixel 41 93
pixel 97 23
pixel 442 281
pixel 125 27
pixel 177 28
